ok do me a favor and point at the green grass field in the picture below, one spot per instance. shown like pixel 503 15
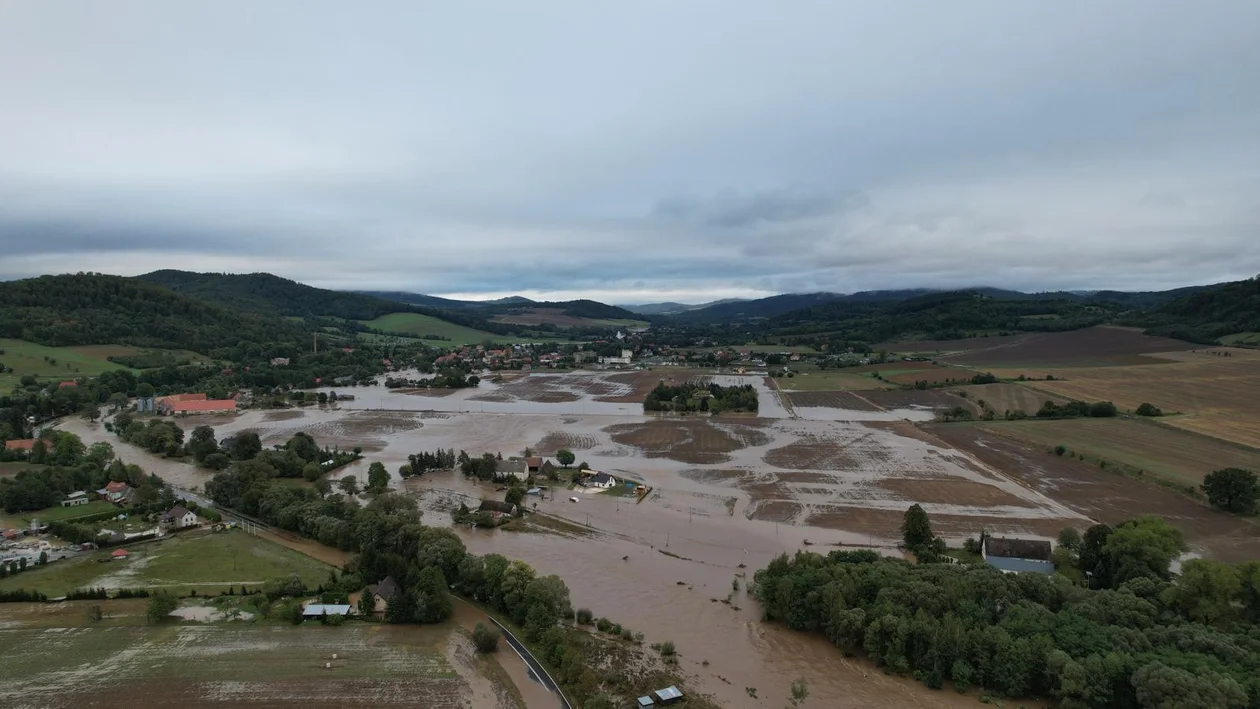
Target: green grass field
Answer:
pixel 1242 339
pixel 54 514
pixel 13 468
pixel 56 362
pixel 829 380
pixel 205 561
pixel 419 326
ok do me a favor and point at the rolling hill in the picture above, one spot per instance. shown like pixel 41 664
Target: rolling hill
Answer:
pixel 94 309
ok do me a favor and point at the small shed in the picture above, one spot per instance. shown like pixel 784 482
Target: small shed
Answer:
pixel 669 695
pixel 119 554
pixel 315 610
pixel 644 701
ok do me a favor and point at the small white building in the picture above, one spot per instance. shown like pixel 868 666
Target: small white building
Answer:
pixel 625 358
pixel 75 499
pixel 603 481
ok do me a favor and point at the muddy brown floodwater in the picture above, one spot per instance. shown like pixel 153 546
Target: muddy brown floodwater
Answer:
pixel 728 494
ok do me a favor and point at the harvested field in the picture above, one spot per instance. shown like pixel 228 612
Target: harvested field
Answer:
pixel 1174 455
pixel 812 453
pixel 950 491
pixel 557 440
pixel 829 399
pixel 776 511
pixel 693 441
pixel 916 399
pixel 887 523
pixel 1108 497
pixel 1094 346
pixel 1005 397
pixel 283 415
pixel 1216 393
pixel 196 665
pixel 926 347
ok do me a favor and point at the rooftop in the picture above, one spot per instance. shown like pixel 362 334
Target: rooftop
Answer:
pixel 326 609
pixel 23 444
pixel 1036 549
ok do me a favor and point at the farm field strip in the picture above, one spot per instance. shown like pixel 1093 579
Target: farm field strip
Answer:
pixel 1174 455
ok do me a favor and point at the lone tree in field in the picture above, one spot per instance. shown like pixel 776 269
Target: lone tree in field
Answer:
pixel 916 529
pixel 378 477
pixel 1149 410
pixel 565 457
pixel 161 605
pixel 1233 490
pixel 485 637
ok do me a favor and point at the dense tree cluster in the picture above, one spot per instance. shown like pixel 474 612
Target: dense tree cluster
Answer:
pixel 1144 643
pixel 1233 490
pixel 421 463
pixel 712 398
pixel 71 467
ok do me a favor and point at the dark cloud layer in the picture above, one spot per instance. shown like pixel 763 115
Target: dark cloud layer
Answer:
pixel 635 152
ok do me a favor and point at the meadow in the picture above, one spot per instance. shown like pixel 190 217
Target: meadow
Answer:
pixel 54 514
pixel 52 362
pixel 208 562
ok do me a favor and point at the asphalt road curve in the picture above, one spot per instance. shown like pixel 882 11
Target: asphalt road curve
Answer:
pixel 535 667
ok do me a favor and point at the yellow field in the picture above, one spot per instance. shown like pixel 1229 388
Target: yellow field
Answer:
pixel 1217 394
pixel 1165 452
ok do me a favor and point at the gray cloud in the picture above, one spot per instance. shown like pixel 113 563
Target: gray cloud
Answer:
pixel 639 152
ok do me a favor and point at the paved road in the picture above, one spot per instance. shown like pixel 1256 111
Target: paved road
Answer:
pixel 535 667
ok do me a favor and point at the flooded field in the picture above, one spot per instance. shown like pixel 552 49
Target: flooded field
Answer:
pixel 122 664
pixel 728 494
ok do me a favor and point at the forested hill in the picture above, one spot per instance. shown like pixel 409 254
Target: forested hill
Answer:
pixel 266 294
pixel 87 309
pixel 1210 313
pixel 272 295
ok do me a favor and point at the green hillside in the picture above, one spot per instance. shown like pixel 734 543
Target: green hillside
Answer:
pixel 424 326
pixel 94 309
pixel 56 362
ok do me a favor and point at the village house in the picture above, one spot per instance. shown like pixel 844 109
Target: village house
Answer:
pixel 1012 556
pixel 279 361
pixel 603 481
pixel 75 499
pixel 64 385
pixel 189 404
pixel 178 517
pixel 119 493
pixel 382 593
pixel 119 554
pixel 22 444
pixel 514 467
pixel 624 359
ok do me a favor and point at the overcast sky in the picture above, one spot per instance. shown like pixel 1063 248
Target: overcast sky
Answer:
pixel 635 151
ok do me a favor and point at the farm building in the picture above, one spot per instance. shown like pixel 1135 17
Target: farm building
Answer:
pixel 22 444
pixel 75 499
pixel 317 610
pixel 1012 556
pixel 212 406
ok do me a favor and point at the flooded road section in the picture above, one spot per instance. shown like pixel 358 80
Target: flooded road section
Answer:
pixel 725 492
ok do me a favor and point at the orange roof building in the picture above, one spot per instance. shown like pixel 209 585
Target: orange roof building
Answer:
pixel 213 406
pixel 22 444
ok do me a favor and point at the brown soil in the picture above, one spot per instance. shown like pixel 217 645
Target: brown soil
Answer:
pixel 934 375
pixel 829 399
pixel 1108 497
pixel 556 440
pixel 908 398
pixel 542 316
pixel 954 491
pixel 696 441
pixel 1094 346
pixel 887 523
pixel 811 453
pixel 288 415
pixel 774 510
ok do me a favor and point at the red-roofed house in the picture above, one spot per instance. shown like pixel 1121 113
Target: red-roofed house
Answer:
pixel 68 384
pixel 174 398
pixel 119 554
pixel 22 444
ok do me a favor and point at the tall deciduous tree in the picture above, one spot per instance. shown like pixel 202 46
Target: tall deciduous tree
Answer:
pixel 916 528
pixel 1233 489
pixel 565 457
pixel 378 477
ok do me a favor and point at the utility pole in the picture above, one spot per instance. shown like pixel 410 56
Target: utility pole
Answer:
pixel 315 343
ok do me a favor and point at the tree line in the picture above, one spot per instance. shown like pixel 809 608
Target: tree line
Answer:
pixel 1139 638
pixel 71 467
